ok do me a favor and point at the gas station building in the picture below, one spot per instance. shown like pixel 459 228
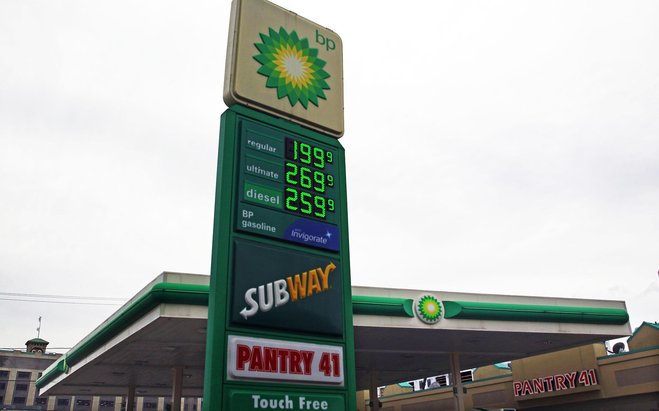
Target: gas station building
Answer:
pixel 155 345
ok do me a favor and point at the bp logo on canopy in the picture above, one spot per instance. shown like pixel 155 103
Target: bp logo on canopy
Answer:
pixel 428 309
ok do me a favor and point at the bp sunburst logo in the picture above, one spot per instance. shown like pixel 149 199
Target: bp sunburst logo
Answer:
pixel 428 309
pixel 292 67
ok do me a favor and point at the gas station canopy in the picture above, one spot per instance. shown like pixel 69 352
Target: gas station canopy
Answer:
pixel 400 335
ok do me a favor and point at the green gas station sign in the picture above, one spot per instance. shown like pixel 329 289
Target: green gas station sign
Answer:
pixel 280 315
pixel 280 320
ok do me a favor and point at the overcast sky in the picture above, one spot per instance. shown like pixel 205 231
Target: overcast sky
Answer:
pixel 507 147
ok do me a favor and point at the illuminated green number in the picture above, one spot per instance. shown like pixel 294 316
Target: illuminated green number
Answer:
pixel 330 156
pixel 305 153
pixel 294 149
pixel 318 157
pixel 291 199
pixel 319 202
pixel 330 204
pixel 291 173
pixel 305 203
pixel 319 178
pixel 330 180
pixel 305 179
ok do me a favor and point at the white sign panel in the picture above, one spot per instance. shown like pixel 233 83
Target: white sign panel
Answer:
pixel 277 360
pixel 286 65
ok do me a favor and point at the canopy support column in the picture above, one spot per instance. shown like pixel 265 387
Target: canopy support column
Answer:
pixel 177 388
pixel 130 398
pixel 458 393
pixel 373 392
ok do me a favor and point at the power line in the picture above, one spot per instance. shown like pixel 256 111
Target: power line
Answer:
pixel 23 348
pixel 71 297
pixel 55 302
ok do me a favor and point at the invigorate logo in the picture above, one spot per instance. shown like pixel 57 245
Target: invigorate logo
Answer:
pixel 314 234
pixel 292 67
pixel 302 235
pixel 290 289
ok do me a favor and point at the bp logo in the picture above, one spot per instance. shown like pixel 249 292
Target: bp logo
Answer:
pixel 428 309
pixel 292 67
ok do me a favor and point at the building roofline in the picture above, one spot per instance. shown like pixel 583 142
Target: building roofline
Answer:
pixel 170 288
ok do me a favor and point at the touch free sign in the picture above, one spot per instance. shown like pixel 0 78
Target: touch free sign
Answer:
pixel 288 403
pixel 246 400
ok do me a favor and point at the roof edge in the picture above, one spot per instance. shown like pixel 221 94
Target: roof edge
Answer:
pixel 471 310
pixel 173 293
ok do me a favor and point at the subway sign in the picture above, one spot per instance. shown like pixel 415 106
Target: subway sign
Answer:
pixel 276 287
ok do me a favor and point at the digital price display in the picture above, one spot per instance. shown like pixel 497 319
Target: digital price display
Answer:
pixel 288 187
pixel 306 183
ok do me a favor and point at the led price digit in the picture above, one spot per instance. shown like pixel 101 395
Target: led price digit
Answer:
pixel 318 157
pixel 319 179
pixel 306 203
pixel 307 178
pixel 308 154
pixel 291 199
pixel 291 173
pixel 320 203
pixel 305 153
